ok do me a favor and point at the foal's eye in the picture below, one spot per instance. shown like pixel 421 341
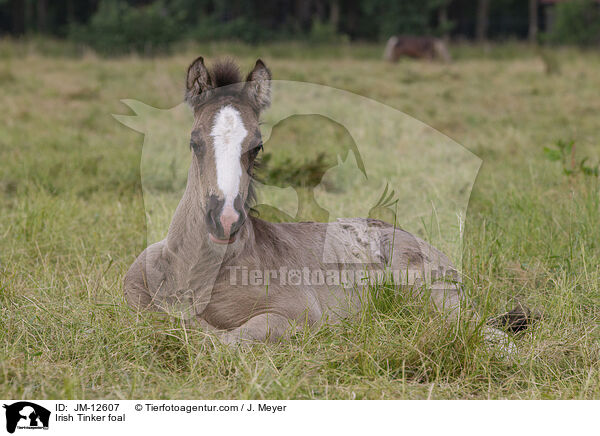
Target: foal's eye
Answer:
pixel 196 145
pixel 254 151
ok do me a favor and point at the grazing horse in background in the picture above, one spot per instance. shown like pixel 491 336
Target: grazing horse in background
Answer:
pixel 419 47
pixel 210 266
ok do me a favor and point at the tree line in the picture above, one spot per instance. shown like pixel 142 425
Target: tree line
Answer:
pixel 143 24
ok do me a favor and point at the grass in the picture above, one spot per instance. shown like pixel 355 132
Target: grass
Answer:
pixel 72 221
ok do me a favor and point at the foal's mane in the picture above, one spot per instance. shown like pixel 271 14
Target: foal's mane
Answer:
pixel 225 72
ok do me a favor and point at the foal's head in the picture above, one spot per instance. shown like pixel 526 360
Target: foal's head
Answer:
pixel 226 139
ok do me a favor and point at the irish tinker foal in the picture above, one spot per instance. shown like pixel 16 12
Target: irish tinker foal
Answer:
pixel 318 272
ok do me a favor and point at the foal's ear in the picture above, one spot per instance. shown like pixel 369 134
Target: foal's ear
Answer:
pixel 258 86
pixel 198 80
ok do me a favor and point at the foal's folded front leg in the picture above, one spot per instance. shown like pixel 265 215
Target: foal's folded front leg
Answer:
pixel 267 327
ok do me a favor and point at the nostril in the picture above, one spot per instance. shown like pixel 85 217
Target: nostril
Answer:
pixel 240 221
pixel 214 205
pixel 210 219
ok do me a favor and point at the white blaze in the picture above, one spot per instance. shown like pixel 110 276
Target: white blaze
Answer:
pixel 228 132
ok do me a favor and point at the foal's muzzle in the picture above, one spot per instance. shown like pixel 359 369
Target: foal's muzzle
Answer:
pixel 224 220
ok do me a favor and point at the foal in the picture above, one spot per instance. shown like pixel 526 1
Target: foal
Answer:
pixel 206 269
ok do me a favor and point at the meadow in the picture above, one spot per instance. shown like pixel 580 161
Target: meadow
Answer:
pixel 72 220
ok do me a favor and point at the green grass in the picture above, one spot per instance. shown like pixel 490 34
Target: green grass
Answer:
pixel 72 221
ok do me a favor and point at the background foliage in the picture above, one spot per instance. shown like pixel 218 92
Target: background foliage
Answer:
pixel 147 26
pixel 577 22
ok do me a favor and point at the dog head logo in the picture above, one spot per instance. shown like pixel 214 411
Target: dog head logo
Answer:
pixel 26 415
